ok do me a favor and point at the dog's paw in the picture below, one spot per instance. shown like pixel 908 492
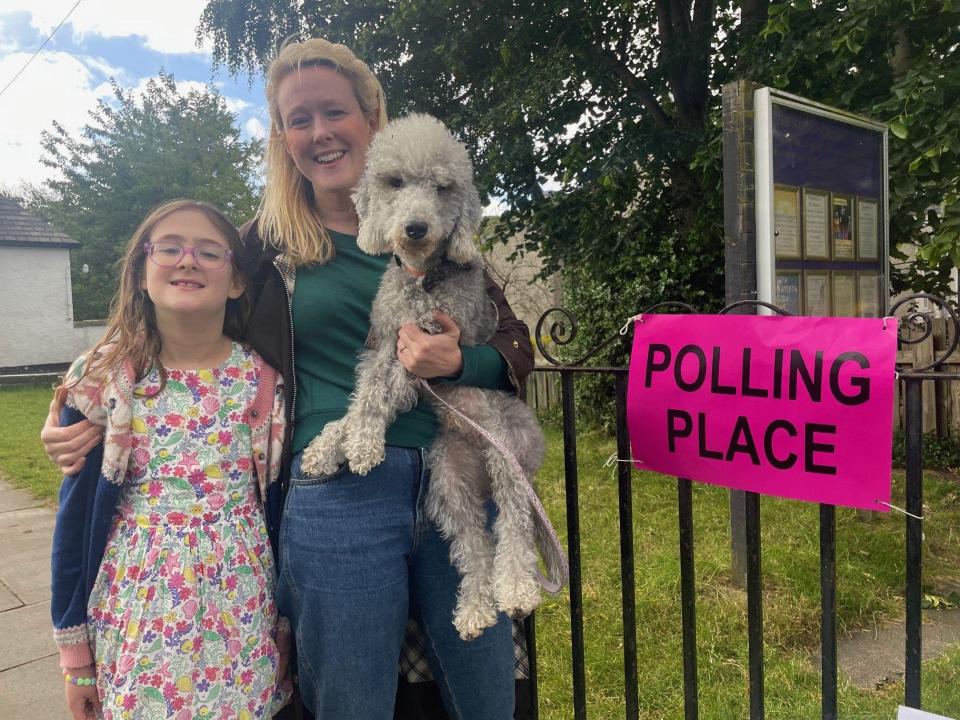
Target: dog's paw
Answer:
pixel 323 455
pixel 363 458
pixel 517 596
pixel 364 449
pixel 471 620
pixel 319 461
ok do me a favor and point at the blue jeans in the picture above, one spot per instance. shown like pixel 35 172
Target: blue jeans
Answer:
pixel 358 557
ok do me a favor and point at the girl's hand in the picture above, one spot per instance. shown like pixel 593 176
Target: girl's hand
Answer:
pixel 68 446
pixel 283 667
pixel 82 700
pixel 429 356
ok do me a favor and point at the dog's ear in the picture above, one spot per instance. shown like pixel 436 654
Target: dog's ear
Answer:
pixel 370 238
pixel 462 248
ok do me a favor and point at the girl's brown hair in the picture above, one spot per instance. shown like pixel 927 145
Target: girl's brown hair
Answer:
pixel 287 217
pixel 132 326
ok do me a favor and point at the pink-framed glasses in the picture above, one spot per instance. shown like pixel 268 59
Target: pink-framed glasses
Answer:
pixel 208 256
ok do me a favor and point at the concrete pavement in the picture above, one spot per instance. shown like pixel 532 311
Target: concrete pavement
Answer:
pixel 31 686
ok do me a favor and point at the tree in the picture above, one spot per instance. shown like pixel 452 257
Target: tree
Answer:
pixel 897 61
pixel 609 102
pixel 135 153
pixel 616 106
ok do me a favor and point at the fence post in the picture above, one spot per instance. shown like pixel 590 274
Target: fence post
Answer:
pixel 627 575
pixel 914 452
pixel 754 606
pixel 688 599
pixel 573 544
pixel 828 612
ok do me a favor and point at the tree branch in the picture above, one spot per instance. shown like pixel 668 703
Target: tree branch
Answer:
pixel 635 85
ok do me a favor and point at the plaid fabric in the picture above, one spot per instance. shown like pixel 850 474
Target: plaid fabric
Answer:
pixel 413 654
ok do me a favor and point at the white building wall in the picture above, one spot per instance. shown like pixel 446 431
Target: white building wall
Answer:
pixel 36 308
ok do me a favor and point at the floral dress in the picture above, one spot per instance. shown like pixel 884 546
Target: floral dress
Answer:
pixel 183 611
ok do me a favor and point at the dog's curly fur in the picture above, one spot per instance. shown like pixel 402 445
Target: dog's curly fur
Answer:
pixel 417 175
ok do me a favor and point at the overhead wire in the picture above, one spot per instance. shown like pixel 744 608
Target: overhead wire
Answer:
pixel 32 57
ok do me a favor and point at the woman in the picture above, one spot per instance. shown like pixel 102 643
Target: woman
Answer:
pixel 357 555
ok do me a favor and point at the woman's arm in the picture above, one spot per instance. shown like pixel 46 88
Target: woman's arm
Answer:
pixel 503 363
pixel 68 445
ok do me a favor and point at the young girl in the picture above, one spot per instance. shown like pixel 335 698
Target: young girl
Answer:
pixel 163 578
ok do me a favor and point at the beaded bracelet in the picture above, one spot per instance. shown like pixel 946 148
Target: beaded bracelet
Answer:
pixel 80 681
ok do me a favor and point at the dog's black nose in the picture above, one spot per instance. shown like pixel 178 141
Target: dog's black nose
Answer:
pixel 416 230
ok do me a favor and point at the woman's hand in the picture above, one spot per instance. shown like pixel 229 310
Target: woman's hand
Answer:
pixel 82 700
pixel 430 356
pixel 68 446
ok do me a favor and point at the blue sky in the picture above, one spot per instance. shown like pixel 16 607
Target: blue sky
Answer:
pixel 127 40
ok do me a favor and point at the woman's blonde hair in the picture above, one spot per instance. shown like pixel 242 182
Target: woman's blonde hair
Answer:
pixel 132 327
pixel 287 217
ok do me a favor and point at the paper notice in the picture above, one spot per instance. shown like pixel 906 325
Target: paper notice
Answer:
pixel 912 714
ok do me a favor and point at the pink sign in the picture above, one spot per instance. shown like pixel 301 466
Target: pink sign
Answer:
pixel 798 407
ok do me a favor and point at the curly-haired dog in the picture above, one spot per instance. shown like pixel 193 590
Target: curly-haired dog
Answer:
pixel 417 199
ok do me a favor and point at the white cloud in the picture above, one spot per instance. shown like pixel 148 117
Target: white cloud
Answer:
pixel 255 128
pixel 102 66
pixel 234 105
pixel 183 86
pixel 56 86
pixel 168 26
pixel 495 208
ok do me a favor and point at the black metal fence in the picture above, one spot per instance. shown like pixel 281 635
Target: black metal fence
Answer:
pixel 562 330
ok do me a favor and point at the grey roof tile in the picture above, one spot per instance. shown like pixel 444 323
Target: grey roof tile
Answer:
pixel 19 226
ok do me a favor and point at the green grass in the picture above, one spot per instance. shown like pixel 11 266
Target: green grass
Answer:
pixel 22 412
pixel 870 577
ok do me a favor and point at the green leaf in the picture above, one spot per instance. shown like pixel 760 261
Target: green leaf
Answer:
pixel 154 694
pixel 899 129
pixel 179 483
pixel 214 693
pixel 177 385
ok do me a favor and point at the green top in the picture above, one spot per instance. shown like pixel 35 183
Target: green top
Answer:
pixel 331 319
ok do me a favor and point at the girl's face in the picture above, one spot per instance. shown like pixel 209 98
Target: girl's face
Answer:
pixel 186 287
pixel 324 129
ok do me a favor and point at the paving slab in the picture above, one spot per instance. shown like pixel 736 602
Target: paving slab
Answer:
pixel 27 635
pixel 871 658
pixel 17 521
pixel 13 499
pixel 29 577
pixel 25 536
pixel 33 691
pixel 8 600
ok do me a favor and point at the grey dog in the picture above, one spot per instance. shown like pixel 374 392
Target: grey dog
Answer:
pixel 417 200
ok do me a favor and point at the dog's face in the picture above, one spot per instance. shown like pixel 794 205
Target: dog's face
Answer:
pixel 416 197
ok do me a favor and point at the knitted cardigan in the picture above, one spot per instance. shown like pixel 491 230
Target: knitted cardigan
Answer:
pixel 88 499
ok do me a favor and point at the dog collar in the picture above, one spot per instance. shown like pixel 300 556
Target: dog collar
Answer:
pixel 441 272
pixel 434 276
pixel 407 268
